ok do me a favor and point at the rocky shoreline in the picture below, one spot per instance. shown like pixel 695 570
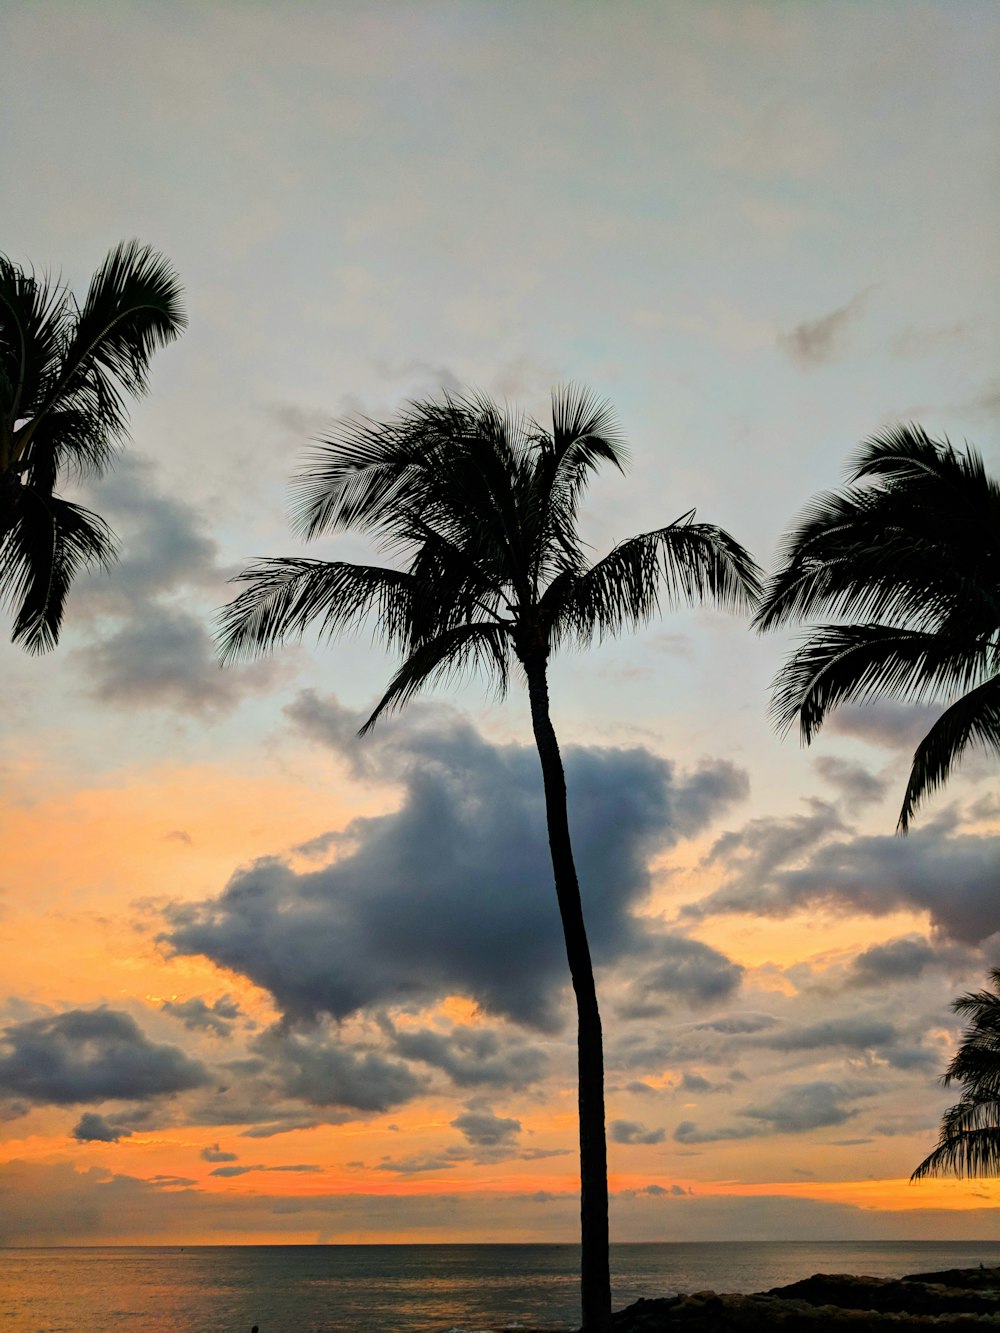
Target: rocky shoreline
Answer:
pixel 959 1299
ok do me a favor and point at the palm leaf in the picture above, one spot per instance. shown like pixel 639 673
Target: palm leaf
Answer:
pixel 973 719
pixel 969 1144
pixel 32 317
pixel 450 654
pixel 45 543
pixel 686 563
pixel 286 596
pixel 839 663
pixel 133 306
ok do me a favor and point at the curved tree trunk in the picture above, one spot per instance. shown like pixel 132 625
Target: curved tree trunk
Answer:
pixel 595 1269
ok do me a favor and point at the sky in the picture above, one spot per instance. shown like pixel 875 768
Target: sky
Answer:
pixel 265 981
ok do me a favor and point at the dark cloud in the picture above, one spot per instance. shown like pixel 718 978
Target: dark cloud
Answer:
pixel 229 1172
pixel 686 969
pixel 215 1154
pixel 632 1131
pixel 91 1055
pixel 195 1014
pixel 737 1025
pixel 795 1110
pixel 452 892
pixel 94 1128
pixel 858 788
pixel 893 726
pixel 691 1082
pixel 164 656
pixel 818 341
pixel 147 647
pixel 897 960
pixel 855 1033
pixel 326 1073
pixel 473 1056
pixel 807 1106
pixel 483 1129
pixel 952 877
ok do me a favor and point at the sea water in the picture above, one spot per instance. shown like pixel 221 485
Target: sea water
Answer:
pixel 403 1288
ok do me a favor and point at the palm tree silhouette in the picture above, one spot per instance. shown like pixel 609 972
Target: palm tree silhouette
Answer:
pixel 479 505
pixel 65 371
pixel 913 556
pixel 969 1143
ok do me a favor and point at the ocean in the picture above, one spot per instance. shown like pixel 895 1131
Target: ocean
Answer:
pixel 403 1288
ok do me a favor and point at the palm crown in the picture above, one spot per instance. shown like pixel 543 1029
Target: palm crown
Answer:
pixel 481 506
pixel 66 371
pixel 969 1144
pixel 912 558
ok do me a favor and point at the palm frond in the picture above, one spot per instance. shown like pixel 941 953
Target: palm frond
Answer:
pixel 32 318
pixel 906 454
pixel 450 654
pixel 286 596
pixel 972 719
pixel 841 663
pixel 685 563
pixel 969 1144
pixel 45 542
pixel 918 544
pixel 133 306
pixel 585 431
pixel 969 1141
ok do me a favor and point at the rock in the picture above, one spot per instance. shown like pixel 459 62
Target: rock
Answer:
pixel 959 1301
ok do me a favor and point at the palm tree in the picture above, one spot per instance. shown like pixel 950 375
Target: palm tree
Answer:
pixel 969 1144
pixel 479 506
pixel 913 556
pixel 65 372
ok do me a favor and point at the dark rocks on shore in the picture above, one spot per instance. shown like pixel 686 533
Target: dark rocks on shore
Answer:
pixel 960 1299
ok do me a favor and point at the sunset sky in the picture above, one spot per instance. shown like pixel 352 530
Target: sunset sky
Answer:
pixel 264 981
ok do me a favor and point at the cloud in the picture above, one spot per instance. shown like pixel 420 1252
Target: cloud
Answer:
pixel 146 647
pixel 858 788
pixel 632 1131
pixel 893 726
pixel 403 917
pixel 91 1055
pixel 686 969
pixel 471 1056
pixel 483 1129
pixel 776 868
pixel 326 1073
pixel 856 1033
pixel 806 1106
pixel 692 1082
pixel 819 341
pixel 215 1154
pixel 94 1128
pixel 195 1014
pixel 230 1172
pixel 795 1110
pixel 897 960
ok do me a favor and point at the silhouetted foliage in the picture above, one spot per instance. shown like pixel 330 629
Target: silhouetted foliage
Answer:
pixel 65 373
pixel 969 1143
pixel 479 506
pixel 909 563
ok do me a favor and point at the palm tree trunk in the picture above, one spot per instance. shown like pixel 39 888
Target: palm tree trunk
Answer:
pixel 595 1269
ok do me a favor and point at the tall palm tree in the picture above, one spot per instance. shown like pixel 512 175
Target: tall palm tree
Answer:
pixel 479 507
pixel 911 557
pixel 969 1144
pixel 65 372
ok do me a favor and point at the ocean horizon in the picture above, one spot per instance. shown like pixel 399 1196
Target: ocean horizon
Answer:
pixel 426 1288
